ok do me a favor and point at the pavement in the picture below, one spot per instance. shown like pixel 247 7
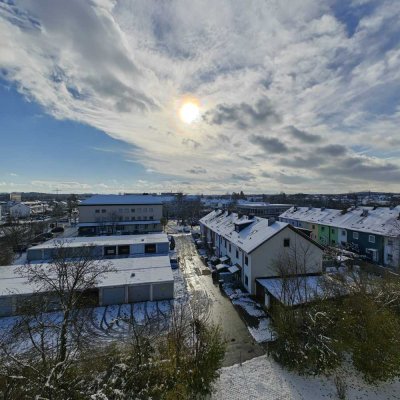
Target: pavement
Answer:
pixel 240 344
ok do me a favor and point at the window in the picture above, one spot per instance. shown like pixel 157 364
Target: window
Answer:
pixel 97 211
pixel 286 242
pixel 225 243
pixel 230 248
pixel 313 226
pixel 123 249
pixel 246 280
pixel 144 218
pixel 333 231
pixel 371 238
pixel 246 260
pixel 110 250
pixel 355 235
pixel 322 228
pixel 132 210
pixel 343 233
pixel 150 248
pixel 389 257
pixel 151 217
pixel 132 218
pixel 390 242
pixel 237 254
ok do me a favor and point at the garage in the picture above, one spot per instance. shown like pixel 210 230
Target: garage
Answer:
pixel 115 295
pixel 138 293
pixel 6 306
pixel 163 291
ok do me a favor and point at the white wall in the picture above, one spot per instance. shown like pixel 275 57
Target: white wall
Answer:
pixel 265 256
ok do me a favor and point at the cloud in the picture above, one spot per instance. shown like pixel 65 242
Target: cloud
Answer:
pixel 332 150
pixel 126 67
pixel 270 144
pixel 197 170
pixel 245 177
pixel 303 136
pixel 243 115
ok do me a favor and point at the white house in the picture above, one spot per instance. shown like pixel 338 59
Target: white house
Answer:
pixel 20 210
pixel 257 245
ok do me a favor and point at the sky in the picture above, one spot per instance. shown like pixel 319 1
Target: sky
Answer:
pixel 294 96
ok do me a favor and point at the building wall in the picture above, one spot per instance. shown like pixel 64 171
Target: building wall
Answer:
pixel 362 243
pixel 262 262
pixel 119 213
pixel 392 252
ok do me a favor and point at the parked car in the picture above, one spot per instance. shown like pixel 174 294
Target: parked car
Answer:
pixel 175 262
pixel 58 229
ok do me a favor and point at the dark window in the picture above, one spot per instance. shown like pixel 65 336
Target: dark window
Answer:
pixel 237 254
pixel 124 249
pixel 246 260
pixel 230 248
pixel 333 231
pixel 322 228
pixel 110 250
pixel 150 248
pixel 286 242
pixel 132 210
pixel 246 280
pixel 151 217
pixel 103 211
pixel 313 226
pixel 97 211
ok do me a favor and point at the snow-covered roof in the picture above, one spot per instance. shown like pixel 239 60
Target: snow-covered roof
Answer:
pixel 126 199
pixel 380 221
pixel 118 223
pixel 249 204
pixel 127 271
pixel 103 241
pixel 294 291
pixel 249 237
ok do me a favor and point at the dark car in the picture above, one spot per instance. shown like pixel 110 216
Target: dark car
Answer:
pixel 174 262
pixel 58 229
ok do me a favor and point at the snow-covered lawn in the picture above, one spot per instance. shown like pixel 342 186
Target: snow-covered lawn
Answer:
pixel 263 379
pixel 262 333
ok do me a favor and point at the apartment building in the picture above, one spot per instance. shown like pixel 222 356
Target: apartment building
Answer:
pixel 120 215
pixel 373 232
pixel 262 209
pixel 256 245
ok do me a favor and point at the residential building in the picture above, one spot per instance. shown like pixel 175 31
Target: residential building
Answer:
pixel 261 209
pixel 373 232
pixel 256 245
pixel 16 197
pixel 120 214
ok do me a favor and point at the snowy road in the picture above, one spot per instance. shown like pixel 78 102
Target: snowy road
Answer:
pixel 240 344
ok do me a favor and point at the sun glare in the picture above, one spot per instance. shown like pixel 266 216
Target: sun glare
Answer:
pixel 189 112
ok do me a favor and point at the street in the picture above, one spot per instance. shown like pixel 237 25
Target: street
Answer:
pixel 240 345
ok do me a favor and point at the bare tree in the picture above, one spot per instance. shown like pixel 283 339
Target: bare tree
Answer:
pixel 42 344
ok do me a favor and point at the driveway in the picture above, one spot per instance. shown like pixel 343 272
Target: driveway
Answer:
pixel 240 344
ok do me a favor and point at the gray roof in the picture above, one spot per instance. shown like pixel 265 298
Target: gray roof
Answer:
pixel 126 199
pixel 379 221
pixel 103 241
pixel 250 237
pixel 127 271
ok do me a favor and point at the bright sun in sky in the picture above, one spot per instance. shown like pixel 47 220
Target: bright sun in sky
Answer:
pixel 189 112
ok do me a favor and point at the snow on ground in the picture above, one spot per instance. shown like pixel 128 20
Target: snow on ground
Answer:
pixel 180 290
pixel 263 379
pixel 262 333
pixel 250 306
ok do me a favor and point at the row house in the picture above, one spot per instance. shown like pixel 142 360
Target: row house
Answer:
pixel 370 231
pixel 256 245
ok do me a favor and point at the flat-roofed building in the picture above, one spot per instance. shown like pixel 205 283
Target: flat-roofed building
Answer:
pixel 261 209
pixel 132 279
pixel 103 246
pixel 120 215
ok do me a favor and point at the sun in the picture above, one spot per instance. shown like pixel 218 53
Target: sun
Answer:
pixel 189 112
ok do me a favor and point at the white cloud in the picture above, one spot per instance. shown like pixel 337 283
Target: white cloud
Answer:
pixel 125 68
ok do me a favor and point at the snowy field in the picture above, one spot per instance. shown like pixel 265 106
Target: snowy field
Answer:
pixel 263 379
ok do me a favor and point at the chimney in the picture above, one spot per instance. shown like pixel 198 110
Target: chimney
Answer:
pixel 271 221
pixel 251 216
pixel 240 215
pixel 364 213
